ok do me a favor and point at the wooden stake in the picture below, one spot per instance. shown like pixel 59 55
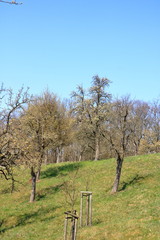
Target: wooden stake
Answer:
pixel 88 206
pixel 75 229
pixel 81 210
pixel 73 217
pixel 90 210
pixel 87 209
pixel 65 228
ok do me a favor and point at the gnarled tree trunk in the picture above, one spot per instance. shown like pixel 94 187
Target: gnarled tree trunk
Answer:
pixel 38 174
pixel 97 148
pixel 33 191
pixel 118 174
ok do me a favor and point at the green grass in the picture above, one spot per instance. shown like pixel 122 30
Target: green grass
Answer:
pixel 132 213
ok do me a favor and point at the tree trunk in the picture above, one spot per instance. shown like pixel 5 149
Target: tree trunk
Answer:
pixel 38 174
pixel 59 155
pixel 96 149
pixel 80 157
pixel 33 191
pixel 118 174
pixel 39 167
pixel 46 158
pixel 136 146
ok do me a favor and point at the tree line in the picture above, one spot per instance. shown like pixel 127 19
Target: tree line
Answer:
pixel 91 125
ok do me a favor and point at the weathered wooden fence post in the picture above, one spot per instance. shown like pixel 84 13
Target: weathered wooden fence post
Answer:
pixel 74 218
pixel 88 196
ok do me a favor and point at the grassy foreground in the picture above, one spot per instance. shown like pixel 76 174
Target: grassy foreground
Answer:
pixel 132 213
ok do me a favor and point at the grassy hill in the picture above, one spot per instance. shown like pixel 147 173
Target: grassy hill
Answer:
pixel 132 213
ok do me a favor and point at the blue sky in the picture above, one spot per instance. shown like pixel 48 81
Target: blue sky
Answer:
pixel 61 44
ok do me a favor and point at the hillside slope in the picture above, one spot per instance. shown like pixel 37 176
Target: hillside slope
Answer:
pixel 132 213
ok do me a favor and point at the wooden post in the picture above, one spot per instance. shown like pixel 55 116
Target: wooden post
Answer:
pixel 73 237
pixel 88 211
pixel 65 228
pixel 73 217
pixel 81 209
pixel 75 230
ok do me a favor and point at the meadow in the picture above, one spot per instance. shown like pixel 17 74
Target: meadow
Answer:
pixel 132 213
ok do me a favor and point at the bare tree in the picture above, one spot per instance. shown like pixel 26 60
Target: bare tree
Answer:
pixel 11 107
pixel 155 119
pixel 119 133
pixel 140 122
pixel 90 111
pixel 70 188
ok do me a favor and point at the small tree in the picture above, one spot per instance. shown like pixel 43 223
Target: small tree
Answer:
pixel 70 188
